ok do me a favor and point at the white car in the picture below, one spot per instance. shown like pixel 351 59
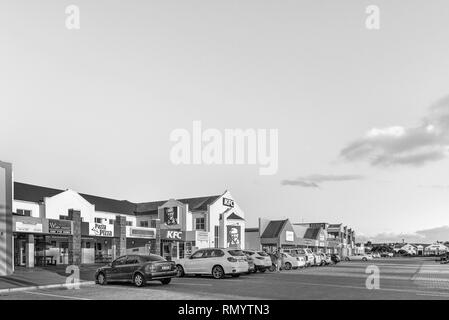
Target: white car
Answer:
pixel 262 261
pixel 308 256
pixel 217 262
pixel 359 257
pixel 325 259
pixel 290 262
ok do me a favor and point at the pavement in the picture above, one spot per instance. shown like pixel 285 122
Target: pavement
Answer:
pixel 399 278
pixel 52 276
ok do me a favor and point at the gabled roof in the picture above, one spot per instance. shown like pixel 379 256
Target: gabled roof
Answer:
pixel 312 233
pixel 195 204
pixel 234 216
pixel 274 228
pixel 33 193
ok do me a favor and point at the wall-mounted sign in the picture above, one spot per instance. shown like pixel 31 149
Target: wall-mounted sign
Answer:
pixel 228 202
pixel 202 236
pixel 171 216
pixel 172 235
pixel 148 233
pixel 289 236
pixel 59 226
pixel 234 236
pixel 28 227
pixel 101 230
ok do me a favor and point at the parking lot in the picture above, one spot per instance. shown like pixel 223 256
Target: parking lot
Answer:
pixel 400 278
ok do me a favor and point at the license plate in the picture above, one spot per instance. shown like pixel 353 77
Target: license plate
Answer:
pixel 166 268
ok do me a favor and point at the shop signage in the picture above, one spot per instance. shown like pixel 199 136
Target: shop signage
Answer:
pixel 171 217
pixel 28 227
pixel 309 242
pixel 59 226
pixel 101 230
pixel 234 236
pixel 289 236
pixel 149 233
pixel 172 235
pixel 228 202
pixel 202 236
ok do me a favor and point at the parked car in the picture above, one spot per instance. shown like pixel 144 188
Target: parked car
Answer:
pixel 335 258
pixel 217 262
pixel 376 255
pixel 308 256
pixel 325 259
pixel 386 254
pixel 137 269
pixel 290 262
pixel 358 257
pixel 261 260
pixel 317 259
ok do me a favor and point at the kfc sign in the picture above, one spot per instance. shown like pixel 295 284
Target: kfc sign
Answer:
pixel 228 202
pixel 172 235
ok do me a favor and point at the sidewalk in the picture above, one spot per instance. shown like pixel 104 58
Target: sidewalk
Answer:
pixel 43 276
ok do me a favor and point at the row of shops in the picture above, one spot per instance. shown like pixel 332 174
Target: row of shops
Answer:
pixel 319 237
pixel 41 226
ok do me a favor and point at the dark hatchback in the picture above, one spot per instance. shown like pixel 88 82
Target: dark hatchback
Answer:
pixel 137 269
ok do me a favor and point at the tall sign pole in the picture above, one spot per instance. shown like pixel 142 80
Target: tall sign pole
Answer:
pixel 6 195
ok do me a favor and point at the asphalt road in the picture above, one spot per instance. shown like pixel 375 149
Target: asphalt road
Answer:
pixel 400 278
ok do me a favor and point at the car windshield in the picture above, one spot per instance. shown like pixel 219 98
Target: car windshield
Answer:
pixel 236 253
pixel 152 257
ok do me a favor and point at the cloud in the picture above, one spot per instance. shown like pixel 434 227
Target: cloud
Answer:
pixel 398 145
pixel 314 180
pixel 421 236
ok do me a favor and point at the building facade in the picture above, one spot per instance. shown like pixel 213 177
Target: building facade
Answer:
pixel 52 226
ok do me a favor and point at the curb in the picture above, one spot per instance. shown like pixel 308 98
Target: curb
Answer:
pixel 49 286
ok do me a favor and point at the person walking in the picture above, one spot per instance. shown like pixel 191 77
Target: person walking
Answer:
pixel 278 260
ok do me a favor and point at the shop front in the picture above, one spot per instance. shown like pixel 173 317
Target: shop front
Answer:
pixel 174 244
pixel 141 240
pixel 97 243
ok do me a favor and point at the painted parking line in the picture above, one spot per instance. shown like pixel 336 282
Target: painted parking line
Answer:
pixel 59 296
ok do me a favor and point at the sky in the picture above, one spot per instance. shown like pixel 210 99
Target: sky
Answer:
pixel 362 115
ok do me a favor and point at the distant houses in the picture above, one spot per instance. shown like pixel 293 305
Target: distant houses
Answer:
pixel 413 249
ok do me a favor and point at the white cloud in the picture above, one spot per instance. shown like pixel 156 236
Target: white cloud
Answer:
pixel 400 145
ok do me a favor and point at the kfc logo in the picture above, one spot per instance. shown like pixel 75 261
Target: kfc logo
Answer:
pixel 177 235
pixel 228 202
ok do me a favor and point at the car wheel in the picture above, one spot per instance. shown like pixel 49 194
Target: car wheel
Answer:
pixel 364 259
pixel 288 266
pixel 166 281
pixel 347 259
pixel 139 280
pixel 217 272
pixel 262 270
pixel 101 279
pixel 180 271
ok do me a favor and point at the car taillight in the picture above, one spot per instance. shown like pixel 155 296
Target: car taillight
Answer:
pixel 150 268
pixel 232 259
